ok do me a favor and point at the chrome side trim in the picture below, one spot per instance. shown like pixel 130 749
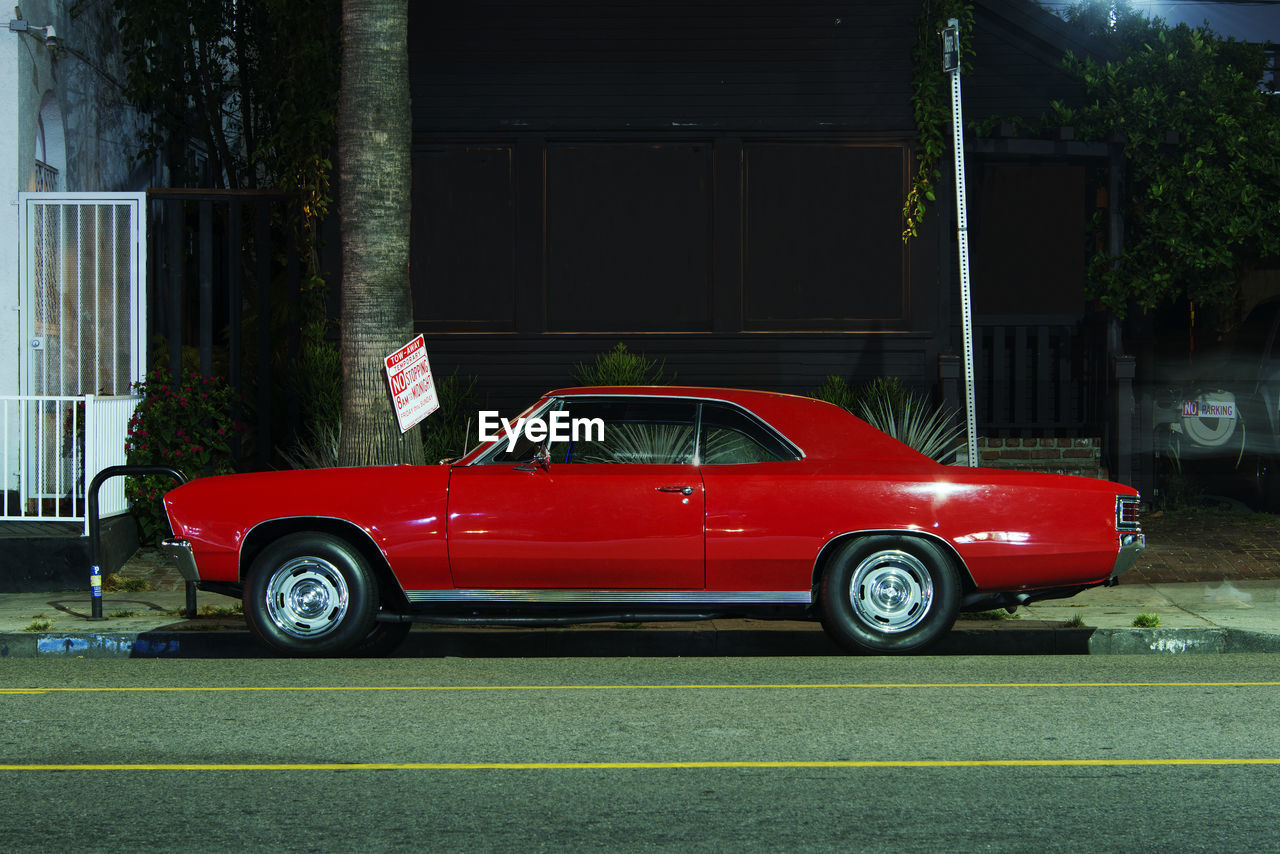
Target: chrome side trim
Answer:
pixel 179 551
pixel 611 597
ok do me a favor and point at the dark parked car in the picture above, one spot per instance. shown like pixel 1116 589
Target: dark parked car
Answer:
pixel 1219 417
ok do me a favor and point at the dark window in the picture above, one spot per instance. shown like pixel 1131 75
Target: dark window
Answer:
pixel 731 436
pixel 1028 233
pixel 463 258
pixel 823 228
pixel 628 237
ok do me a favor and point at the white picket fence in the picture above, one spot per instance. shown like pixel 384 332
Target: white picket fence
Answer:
pixel 53 447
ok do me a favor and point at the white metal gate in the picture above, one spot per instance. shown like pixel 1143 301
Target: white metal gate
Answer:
pixel 82 265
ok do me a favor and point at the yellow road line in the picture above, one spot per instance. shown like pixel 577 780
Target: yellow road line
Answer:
pixel 638 766
pixel 151 689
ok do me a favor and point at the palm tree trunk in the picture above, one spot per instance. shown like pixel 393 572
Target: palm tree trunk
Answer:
pixel 373 188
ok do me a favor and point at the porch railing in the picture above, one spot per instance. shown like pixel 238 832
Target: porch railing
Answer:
pixel 1037 376
pixel 52 449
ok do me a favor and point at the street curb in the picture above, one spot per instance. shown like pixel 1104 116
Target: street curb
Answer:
pixel 1180 641
pixel 192 644
pixel 697 640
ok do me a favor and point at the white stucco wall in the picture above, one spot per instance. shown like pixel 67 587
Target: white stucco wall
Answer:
pixel 92 136
pixel 20 70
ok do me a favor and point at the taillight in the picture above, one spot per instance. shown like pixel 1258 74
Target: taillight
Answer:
pixel 1127 513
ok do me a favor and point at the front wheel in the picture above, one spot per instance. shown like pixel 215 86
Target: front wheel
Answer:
pixel 311 594
pixel 889 594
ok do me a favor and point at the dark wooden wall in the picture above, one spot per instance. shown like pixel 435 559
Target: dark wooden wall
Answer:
pixel 662 65
pixel 715 183
pixel 718 184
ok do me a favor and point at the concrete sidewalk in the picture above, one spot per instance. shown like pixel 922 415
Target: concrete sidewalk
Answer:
pixel 1193 617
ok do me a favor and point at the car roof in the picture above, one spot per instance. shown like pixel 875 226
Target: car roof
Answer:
pixel 736 395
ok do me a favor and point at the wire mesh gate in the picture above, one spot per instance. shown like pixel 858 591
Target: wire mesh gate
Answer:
pixel 82 264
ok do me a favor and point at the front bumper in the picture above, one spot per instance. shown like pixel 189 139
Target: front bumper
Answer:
pixel 179 551
pixel 1132 545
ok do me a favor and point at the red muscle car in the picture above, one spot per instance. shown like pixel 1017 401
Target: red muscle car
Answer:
pixel 649 503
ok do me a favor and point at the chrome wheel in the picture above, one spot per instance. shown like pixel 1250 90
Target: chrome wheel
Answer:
pixel 889 594
pixel 311 593
pixel 307 597
pixel 891 591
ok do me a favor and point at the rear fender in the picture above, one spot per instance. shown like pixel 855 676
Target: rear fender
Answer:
pixel 833 546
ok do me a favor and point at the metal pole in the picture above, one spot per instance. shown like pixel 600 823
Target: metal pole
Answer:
pixel 952 40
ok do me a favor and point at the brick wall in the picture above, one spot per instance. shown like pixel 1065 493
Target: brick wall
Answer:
pixel 1079 456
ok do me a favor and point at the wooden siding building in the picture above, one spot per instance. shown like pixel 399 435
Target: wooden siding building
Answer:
pixel 720 184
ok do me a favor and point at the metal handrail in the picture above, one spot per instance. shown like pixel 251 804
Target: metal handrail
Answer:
pixel 95 566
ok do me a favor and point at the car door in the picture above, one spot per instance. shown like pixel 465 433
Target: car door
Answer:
pixel 758 532
pixel 614 508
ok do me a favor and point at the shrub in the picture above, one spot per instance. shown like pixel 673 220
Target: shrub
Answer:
pixel 185 424
pixel 621 367
pixel 838 391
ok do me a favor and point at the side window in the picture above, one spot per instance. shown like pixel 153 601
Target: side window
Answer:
pixel 637 431
pixel 731 436
pixel 524 450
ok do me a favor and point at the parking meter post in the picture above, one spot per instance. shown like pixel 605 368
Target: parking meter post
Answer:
pixel 95 529
pixel 95 591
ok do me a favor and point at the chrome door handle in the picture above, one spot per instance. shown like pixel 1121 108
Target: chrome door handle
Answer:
pixel 683 490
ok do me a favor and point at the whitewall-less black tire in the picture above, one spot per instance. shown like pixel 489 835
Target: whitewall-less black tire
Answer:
pixel 311 594
pixel 888 594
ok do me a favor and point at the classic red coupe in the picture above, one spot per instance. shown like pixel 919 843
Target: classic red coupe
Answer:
pixel 649 503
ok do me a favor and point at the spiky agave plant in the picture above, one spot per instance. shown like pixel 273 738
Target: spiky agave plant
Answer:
pixel 643 443
pixel 911 419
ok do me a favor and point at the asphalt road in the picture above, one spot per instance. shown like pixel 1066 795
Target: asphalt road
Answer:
pixel 935 754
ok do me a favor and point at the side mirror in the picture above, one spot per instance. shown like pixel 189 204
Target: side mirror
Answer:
pixel 541 460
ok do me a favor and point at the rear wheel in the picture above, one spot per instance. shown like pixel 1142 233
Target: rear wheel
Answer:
pixel 311 594
pixel 889 594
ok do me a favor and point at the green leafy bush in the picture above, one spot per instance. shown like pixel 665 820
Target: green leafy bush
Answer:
pixel 621 367
pixel 184 423
pixel 838 391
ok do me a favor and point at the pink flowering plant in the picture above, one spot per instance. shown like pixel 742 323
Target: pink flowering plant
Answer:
pixel 184 423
